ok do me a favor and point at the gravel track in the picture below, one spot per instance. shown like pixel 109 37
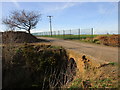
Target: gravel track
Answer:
pixel 100 52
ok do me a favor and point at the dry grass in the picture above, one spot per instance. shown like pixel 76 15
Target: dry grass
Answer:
pixel 95 74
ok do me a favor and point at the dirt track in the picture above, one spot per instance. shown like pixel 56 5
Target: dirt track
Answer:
pixel 100 52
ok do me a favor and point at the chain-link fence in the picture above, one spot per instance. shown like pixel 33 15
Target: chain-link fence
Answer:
pixel 69 34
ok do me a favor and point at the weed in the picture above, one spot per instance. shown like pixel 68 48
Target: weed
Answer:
pixel 76 84
pixel 34 85
pixel 95 40
pixel 103 83
pixel 113 63
pixel 56 47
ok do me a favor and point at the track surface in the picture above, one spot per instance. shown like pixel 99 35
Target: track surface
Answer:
pixel 100 52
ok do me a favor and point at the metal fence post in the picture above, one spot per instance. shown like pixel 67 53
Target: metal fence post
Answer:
pixel 70 33
pixel 58 33
pixel 92 33
pixel 49 33
pixel 54 32
pixel 40 34
pixel 79 33
pixel 63 33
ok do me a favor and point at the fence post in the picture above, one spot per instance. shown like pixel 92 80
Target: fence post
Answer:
pixel 58 33
pixel 92 33
pixel 55 32
pixel 63 33
pixel 70 33
pixel 79 33
pixel 49 33
pixel 40 34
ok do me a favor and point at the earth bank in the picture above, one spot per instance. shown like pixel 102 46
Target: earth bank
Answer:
pixel 45 66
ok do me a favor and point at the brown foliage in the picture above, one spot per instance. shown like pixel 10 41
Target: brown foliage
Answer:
pixel 110 40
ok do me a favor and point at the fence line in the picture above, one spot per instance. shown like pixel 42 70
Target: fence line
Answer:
pixel 72 33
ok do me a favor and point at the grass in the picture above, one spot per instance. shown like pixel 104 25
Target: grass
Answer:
pixel 76 84
pixel 113 63
pixel 82 38
pixel 104 83
pixel 69 36
pixel 107 82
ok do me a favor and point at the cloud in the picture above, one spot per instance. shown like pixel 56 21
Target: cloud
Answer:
pixel 101 9
pixel 67 5
pixel 59 7
pixel 16 3
pixel 107 8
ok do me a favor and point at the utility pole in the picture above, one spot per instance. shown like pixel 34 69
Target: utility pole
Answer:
pixel 50 24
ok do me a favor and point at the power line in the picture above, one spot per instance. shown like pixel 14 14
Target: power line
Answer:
pixel 50 24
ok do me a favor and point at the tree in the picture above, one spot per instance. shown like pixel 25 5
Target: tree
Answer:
pixel 22 19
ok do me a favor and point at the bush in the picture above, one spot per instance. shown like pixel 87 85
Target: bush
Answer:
pixel 95 40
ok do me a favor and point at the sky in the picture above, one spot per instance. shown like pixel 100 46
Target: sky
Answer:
pixel 102 16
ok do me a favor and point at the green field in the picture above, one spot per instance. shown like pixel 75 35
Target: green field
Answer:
pixel 69 36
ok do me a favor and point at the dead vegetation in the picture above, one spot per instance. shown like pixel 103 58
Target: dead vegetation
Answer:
pixel 109 40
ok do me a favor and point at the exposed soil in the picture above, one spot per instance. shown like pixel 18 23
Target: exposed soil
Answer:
pixel 109 40
pixel 18 37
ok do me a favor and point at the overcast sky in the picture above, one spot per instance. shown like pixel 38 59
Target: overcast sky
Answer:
pixel 102 16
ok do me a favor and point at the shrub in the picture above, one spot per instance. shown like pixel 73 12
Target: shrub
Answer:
pixel 36 66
